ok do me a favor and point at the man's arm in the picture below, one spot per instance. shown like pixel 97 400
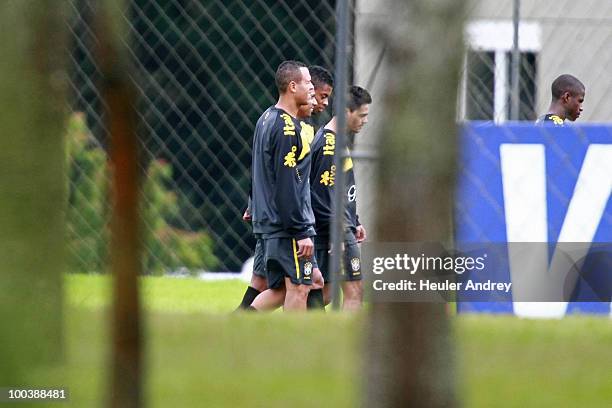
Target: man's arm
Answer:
pixel 323 177
pixel 247 216
pixel 286 194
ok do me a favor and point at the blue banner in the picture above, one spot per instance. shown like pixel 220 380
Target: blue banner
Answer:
pixel 526 183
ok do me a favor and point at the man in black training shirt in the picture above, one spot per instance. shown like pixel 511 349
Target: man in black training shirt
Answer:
pixel 567 98
pixel 322 181
pixel 323 87
pixel 281 210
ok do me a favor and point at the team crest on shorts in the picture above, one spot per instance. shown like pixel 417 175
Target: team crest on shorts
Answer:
pixel 307 268
pixel 355 264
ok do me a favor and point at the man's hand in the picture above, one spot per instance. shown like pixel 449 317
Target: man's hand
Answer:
pixel 360 234
pixel 247 215
pixel 305 248
pixel 317 279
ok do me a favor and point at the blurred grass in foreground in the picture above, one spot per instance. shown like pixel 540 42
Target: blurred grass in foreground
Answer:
pixel 199 355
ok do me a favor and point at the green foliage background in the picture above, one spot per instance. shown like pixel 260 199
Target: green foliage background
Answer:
pixel 205 73
pixel 166 248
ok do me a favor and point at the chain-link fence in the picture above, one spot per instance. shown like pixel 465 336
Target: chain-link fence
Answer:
pixel 518 182
pixel 204 71
pixel 555 37
pixel 521 185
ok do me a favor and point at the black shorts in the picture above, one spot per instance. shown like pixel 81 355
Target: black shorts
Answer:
pixel 258 259
pixel 351 260
pixel 281 260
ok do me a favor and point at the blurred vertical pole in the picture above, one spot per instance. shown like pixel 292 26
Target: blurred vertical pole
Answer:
pixel 119 101
pixel 516 62
pixel 409 349
pixel 32 185
pixel 340 90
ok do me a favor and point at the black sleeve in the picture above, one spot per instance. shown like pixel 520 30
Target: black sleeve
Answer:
pixel 286 194
pixel 323 173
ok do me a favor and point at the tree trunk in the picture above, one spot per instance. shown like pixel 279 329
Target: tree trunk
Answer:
pixel 410 351
pixel 118 96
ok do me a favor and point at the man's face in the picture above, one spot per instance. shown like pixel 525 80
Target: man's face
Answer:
pixel 573 104
pixel 305 111
pixel 303 88
pixel 356 119
pixel 322 94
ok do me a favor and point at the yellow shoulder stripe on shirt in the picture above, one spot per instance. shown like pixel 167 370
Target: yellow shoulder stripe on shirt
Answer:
pixel 348 164
pixel 307 136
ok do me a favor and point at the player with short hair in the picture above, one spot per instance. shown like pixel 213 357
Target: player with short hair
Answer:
pixel 281 210
pixel 323 87
pixel 323 82
pixel 322 184
pixel 567 98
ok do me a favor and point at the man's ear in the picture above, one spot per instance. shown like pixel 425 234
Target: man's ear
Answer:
pixel 292 86
pixel 566 96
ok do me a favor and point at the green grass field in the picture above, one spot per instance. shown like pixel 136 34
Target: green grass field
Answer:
pixel 200 355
